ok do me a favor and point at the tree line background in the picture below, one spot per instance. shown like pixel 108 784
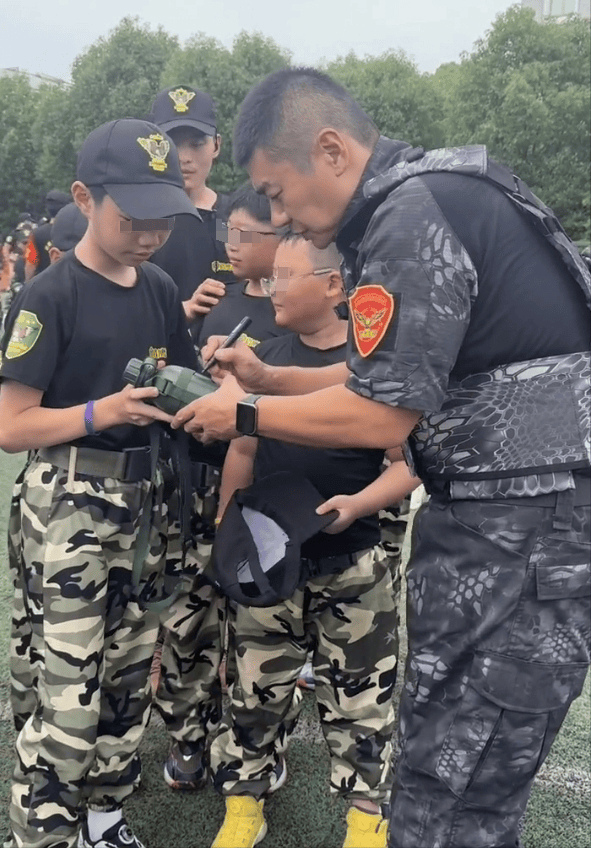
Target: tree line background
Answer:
pixel 523 91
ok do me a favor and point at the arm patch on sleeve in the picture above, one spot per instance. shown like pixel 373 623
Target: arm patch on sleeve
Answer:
pixel 25 332
pixel 372 311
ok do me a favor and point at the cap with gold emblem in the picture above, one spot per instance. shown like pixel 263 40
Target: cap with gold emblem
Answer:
pixel 138 166
pixel 184 106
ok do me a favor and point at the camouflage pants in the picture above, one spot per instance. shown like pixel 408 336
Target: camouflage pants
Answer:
pixel 499 630
pixel 80 652
pixel 189 695
pixel 393 527
pixel 349 621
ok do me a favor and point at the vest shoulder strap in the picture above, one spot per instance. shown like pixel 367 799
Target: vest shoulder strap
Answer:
pixel 474 161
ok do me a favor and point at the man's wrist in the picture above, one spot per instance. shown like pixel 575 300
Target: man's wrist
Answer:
pixel 270 380
pixel 247 415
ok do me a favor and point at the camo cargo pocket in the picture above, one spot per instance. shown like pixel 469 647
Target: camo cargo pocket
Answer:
pixel 553 621
pixel 505 723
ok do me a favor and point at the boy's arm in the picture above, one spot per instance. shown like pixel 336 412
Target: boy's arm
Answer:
pixel 26 425
pixel 393 484
pixel 238 468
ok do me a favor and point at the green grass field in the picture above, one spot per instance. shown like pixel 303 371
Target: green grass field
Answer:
pixel 303 814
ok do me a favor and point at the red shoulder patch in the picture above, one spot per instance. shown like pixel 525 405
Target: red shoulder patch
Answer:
pixel 372 310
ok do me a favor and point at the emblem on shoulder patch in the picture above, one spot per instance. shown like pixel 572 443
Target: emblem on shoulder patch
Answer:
pixel 181 97
pixel 158 148
pixel 372 310
pixel 25 332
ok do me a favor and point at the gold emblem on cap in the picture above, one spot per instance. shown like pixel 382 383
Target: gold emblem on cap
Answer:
pixel 181 98
pixel 158 148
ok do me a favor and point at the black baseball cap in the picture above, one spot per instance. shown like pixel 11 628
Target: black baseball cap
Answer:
pixel 184 106
pixel 56 200
pixel 68 227
pixel 138 166
pixel 256 558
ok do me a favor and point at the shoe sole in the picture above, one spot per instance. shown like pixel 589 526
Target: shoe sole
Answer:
pixel 280 782
pixel 262 834
pixel 183 785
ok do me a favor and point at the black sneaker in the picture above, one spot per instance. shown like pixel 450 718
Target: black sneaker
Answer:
pixel 185 767
pixel 118 836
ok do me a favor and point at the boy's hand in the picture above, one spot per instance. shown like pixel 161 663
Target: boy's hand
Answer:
pixel 205 296
pixel 345 506
pixel 127 407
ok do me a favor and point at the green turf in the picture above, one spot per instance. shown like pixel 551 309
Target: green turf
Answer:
pixel 303 815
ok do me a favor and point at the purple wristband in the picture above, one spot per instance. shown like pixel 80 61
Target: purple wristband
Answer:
pixel 88 422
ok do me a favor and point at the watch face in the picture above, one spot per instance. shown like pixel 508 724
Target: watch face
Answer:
pixel 246 418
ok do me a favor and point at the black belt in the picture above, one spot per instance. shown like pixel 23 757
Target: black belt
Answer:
pixel 581 494
pixel 204 475
pixel 330 565
pixel 130 465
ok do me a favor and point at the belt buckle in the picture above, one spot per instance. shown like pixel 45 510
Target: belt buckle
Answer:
pixel 130 456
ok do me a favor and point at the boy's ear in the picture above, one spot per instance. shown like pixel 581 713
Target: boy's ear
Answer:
pixel 335 286
pixel 55 254
pixel 82 198
pixel 218 145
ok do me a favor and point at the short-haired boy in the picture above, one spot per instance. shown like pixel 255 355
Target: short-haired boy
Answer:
pixel 347 618
pixel 188 694
pixel 76 521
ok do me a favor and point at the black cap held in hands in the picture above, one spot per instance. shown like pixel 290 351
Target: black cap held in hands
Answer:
pixel 184 106
pixel 256 558
pixel 138 166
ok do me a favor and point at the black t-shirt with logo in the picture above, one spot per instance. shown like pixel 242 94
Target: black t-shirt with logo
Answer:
pixel 71 332
pixel 224 316
pixel 232 308
pixel 333 471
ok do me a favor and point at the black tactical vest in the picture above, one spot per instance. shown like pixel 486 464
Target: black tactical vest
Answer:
pixel 523 418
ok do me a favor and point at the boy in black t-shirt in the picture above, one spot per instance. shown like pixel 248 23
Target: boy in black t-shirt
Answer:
pixel 195 254
pixel 252 242
pixel 188 690
pixel 82 501
pixel 347 618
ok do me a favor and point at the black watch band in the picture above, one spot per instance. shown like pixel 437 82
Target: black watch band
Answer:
pixel 247 415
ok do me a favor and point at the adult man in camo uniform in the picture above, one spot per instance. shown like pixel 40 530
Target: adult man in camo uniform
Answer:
pixel 470 311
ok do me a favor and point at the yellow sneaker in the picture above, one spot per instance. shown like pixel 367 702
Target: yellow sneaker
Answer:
pixel 244 825
pixel 365 830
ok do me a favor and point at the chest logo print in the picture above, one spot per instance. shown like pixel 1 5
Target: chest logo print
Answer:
pixel 25 332
pixel 220 266
pixel 158 148
pixel 158 352
pixel 372 310
pixel 181 98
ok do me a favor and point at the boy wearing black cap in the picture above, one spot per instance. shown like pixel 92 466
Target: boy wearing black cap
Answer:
pixel 82 628
pixel 37 250
pixel 346 611
pixel 68 227
pixel 195 255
